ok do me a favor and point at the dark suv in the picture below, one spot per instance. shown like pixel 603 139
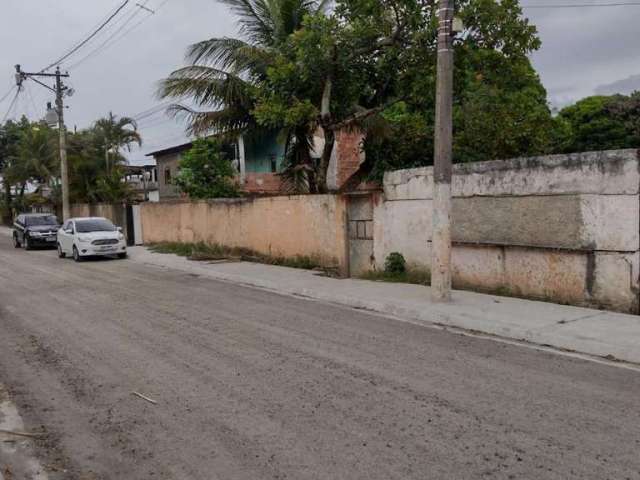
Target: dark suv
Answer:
pixel 35 230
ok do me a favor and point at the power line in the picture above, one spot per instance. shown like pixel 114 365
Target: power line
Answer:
pixel 102 46
pixel 584 5
pixel 105 45
pixel 4 97
pixel 151 111
pixel 86 40
pixel 11 105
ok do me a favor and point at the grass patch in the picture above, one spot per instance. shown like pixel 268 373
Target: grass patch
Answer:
pixel 203 251
pixel 414 276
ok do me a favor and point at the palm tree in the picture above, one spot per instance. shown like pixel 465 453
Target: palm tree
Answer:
pixel 116 133
pixel 224 72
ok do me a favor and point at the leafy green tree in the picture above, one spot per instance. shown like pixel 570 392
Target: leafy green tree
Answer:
pixel 627 109
pixel 224 75
pixel 205 172
pixel 602 123
pixel 9 139
pixel 350 69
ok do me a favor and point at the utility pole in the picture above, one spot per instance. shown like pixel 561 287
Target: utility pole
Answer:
pixel 59 89
pixel 441 234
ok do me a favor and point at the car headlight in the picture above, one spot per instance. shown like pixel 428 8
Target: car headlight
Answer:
pixel 34 234
pixel 84 238
pixel 120 236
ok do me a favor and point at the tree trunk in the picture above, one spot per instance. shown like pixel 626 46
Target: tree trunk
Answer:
pixel 325 160
pixel 329 137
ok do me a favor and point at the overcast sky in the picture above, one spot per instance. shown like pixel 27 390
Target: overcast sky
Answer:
pixel 584 50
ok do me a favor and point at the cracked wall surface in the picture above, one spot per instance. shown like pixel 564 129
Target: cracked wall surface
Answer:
pixel 564 228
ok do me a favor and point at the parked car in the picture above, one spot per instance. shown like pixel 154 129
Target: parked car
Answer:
pixel 35 230
pixel 87 237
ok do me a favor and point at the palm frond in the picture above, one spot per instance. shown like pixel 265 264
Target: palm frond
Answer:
pixel 255 19
pixel 206 86
pixel 230 54
pixel 230 121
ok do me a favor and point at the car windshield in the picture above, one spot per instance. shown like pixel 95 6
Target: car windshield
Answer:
pixel 94 225
pixel 44 220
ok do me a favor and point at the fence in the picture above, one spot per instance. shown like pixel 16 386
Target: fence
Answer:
pixel 563 228
pixel 287 226
pixel 559 228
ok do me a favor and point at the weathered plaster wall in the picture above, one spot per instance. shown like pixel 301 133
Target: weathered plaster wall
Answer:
pixel 563 228
pixel 286 226
pixel 114 212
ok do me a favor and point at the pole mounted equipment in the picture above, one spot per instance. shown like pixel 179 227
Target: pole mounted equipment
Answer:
pixel 60 90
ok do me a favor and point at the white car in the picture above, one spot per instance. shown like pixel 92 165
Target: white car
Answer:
pixel 92 236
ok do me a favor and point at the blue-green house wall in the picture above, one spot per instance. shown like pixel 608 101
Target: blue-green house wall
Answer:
pixel 258 153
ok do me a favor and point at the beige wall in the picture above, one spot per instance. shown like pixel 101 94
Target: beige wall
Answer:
pixel 114 212
pixel 562 228
pixel 312 225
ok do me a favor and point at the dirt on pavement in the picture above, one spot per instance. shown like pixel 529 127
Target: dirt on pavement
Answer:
pixel 253 385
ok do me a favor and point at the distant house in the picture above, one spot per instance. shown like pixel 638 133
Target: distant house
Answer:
pixel 259 162
pixel 143 180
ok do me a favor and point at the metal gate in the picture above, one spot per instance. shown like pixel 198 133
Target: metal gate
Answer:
pixel 360 220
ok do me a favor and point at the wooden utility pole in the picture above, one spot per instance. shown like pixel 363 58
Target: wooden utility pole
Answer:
pixel 441 234
pixel 60 90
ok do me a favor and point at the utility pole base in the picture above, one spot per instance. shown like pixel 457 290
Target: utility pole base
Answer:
pixel 441 243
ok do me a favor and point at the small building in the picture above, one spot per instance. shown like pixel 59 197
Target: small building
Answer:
pixel 143 179
pixel 260 160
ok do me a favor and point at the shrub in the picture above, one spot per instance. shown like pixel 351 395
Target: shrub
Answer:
pixel 395 263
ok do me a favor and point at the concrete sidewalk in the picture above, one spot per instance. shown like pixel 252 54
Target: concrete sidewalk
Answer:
pixel 592 332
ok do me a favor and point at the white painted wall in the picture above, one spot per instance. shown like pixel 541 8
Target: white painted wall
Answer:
pixel 564 227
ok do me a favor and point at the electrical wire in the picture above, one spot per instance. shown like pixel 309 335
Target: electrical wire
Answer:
pixel 86 40
pixel 6 95
pixel 105 45
pixel 11 105
pixel 33 103
pixel 584 5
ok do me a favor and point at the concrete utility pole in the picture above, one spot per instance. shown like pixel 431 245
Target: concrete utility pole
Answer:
pixel 62 131
pixel 59 90
pixel 441 235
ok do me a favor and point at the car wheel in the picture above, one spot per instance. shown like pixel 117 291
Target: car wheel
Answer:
pixel 76 254
pixel 61 254
pixel 27 243
pixel 16 243
pixel 122 256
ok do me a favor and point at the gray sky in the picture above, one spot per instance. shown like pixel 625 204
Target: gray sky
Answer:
pixel 584 50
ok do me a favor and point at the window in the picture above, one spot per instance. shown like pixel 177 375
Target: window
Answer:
pixel 95 225
pixel 42 220
pixel 167 176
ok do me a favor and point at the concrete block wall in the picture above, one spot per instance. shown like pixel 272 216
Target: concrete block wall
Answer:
pixel 288 226
pixel 564 228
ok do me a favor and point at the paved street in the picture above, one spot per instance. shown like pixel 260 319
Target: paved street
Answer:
pixel 253 385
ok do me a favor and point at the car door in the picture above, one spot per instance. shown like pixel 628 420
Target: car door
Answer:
pixel 66 239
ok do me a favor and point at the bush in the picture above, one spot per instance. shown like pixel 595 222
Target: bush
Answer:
pixel 205 172
pixel 395 263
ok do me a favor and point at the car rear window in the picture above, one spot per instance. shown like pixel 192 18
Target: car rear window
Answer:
pixel 44 220
pixel 86 226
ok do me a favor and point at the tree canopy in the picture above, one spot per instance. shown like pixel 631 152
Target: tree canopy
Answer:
pixel 602 123
pixel 29 156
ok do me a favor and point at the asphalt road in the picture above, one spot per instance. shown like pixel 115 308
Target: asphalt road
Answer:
pixel 251 385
